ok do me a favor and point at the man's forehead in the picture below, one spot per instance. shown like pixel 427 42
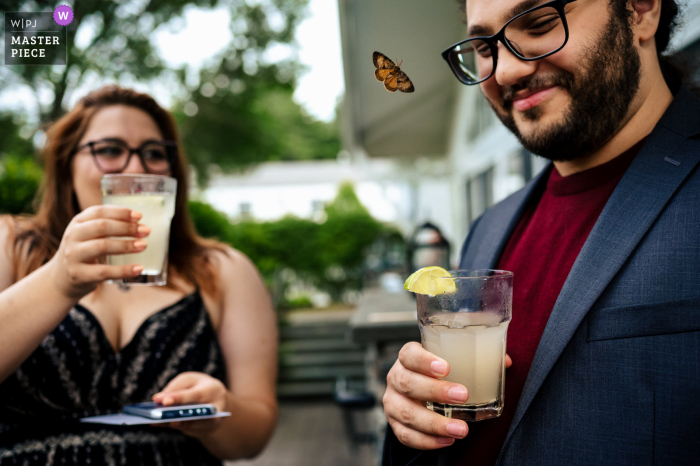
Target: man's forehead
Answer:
pixel 486 17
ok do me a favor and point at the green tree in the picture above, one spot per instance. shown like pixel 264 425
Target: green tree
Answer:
pixel 120 41
pixel 11 143
pixel 19 174
pixel 239 112
pixel 237 130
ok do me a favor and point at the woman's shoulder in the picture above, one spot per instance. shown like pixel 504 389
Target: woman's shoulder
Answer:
pixel 229 262
pixel 240 288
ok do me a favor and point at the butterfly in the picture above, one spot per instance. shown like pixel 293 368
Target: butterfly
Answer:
pixel 391 74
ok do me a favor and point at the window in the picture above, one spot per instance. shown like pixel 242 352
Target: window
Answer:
pixel 479 194
pixel 244 209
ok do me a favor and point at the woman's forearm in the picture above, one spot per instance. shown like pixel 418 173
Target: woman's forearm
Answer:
pixel 245 432
pixel 29 310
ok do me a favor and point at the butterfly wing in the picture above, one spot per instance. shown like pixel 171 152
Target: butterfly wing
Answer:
pixel 391 83
pixel 403 83
pixel 383 64
pixel 382 74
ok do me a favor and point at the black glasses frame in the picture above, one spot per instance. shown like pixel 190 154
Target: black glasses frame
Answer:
pixel 492 41
pixel 170 151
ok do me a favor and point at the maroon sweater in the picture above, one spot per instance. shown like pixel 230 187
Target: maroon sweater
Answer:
pixel 540 253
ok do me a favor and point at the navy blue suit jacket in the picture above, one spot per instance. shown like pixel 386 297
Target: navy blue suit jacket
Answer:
pixel 616 376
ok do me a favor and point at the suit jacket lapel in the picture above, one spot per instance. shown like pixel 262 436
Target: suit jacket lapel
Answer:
pixel 657 171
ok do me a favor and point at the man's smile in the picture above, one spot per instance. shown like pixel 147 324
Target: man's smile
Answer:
pixel 528 98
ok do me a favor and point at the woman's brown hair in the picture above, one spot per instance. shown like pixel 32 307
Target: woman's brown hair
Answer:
pixel 37 238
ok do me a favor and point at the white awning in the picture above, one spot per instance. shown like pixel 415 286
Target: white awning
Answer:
pixel 382 124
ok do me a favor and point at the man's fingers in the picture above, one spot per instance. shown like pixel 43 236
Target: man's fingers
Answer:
pixel 413 357
pixel 418 440
pixel 509 362
pixel 415 416
pixel 420 387
pixel 108 211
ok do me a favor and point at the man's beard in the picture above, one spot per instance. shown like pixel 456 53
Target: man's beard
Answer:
pixel 600 98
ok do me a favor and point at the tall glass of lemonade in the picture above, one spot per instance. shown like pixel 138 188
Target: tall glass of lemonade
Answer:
pixel 464 321
pixel 154 197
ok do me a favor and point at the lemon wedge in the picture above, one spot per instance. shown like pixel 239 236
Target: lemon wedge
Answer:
pixel 428 281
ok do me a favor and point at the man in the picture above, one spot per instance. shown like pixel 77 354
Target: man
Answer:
pixel 604 246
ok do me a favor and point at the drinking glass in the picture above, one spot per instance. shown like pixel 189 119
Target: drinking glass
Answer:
pixel 154 197
pixel 467 328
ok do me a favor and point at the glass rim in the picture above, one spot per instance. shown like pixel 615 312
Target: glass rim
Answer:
pixel 119 181
pixel 135 175
pixel 499 274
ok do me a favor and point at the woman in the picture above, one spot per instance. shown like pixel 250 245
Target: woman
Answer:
pixel 72 345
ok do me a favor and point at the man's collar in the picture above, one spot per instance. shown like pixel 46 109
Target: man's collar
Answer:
pixel 683 115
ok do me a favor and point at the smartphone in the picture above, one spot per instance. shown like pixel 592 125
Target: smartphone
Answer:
pixel 153 410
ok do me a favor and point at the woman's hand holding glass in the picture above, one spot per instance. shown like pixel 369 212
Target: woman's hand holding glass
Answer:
pixel 77 267
pixel 413 380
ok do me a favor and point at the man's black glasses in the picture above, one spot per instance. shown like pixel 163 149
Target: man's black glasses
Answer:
pixel 531 35
pixel 112 155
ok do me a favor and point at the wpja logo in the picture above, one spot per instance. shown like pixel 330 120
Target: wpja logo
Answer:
pixel 37 38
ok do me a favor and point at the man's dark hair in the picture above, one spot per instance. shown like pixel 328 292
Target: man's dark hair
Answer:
pixel 677 69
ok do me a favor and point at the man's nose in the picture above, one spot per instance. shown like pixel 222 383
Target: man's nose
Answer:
pixel 135 165
pixel 510 69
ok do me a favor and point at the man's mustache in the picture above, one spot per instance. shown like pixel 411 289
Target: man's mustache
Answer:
pixel 563 80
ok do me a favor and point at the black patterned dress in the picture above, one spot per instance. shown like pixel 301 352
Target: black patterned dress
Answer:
pixel 75 373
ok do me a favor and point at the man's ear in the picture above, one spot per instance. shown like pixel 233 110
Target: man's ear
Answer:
pixel 645 18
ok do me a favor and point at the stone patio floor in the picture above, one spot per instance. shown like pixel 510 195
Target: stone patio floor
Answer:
pixel 311 433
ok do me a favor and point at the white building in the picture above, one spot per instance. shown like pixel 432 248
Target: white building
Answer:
pixel 275 189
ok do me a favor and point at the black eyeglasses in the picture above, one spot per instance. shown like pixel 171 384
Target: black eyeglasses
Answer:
pixel 534 34
pixel 112 155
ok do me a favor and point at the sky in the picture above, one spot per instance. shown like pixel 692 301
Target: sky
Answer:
pixel 206 32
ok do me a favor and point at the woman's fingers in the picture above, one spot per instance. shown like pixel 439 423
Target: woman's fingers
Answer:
pixel 87 250
pixel 509 361
pixel 92 273
pixel 184 397
pixel 108 211
pixel 105 227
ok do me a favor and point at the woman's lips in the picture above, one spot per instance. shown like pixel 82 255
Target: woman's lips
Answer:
pixel 523 103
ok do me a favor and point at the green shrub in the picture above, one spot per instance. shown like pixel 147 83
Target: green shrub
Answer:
pixel 19 181
pixel 328 255
pixel 209 222
pixel 298 302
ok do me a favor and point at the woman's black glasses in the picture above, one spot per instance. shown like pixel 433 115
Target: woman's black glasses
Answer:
pixel 113 155
pixel 531 35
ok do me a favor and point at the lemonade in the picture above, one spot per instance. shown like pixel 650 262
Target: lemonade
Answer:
pixel 157 211
pixel 474 350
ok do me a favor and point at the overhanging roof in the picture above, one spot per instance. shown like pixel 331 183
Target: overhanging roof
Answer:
pixel 383 124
